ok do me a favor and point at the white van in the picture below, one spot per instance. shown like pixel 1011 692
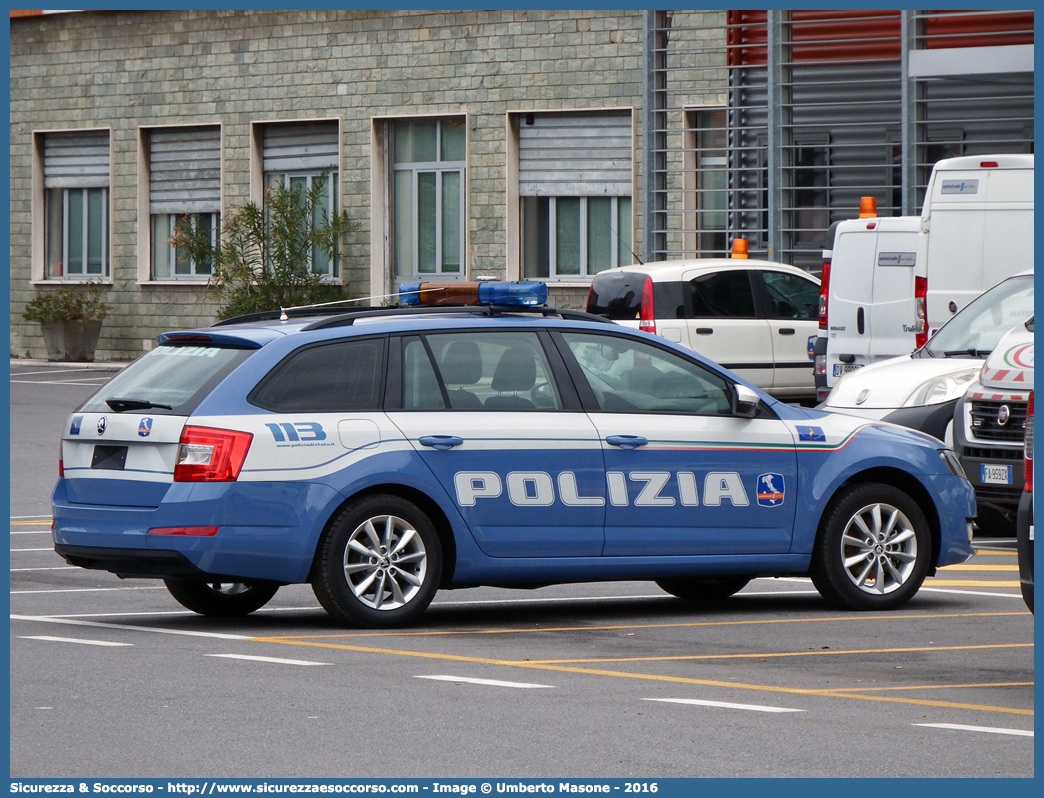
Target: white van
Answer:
pixel 892 281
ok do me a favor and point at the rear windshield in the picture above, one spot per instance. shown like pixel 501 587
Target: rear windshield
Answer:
pixel 169 380
pixel 617 295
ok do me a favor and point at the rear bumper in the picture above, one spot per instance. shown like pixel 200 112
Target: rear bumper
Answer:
pixel 266 532
pixel 140 563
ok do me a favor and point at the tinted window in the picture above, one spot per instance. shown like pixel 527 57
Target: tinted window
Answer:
pixel 791 297
pixel 420 386
pixel 489 371
pixel 617 295
pixel 722 294
pixel 177 376
pixel 632 376
pixel 337 377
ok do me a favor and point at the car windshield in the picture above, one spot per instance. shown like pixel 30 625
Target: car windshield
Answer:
pixel 976 330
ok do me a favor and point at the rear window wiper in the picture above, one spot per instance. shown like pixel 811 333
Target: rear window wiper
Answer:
pixel 119 405
pixel 969 352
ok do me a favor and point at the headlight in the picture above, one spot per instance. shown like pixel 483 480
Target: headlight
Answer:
pixel 953 465
pixel 940 389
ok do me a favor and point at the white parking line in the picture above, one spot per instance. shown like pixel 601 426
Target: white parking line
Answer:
pixel 488 682
pixel 276 660
pixel 32 532
pixel 723 705
pixel 986 729
pixel 49 548
pixel 74 640
pixel 57 567
pixel 85 590
pixel 127 627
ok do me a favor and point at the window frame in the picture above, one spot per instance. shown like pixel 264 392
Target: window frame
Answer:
pixel 42 208
pixel 616 247
pixel 440 168
pixel 194 274
pixel 332 191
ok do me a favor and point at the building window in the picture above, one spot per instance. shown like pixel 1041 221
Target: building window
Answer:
pixel 575 236
pixel 324 210
pixel 172 263
pixel 297 155
pixel 76 204
pixel 184 183
pixel 574 183
pixel 427 196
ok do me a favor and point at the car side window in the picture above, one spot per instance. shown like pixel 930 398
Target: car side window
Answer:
pixel 722 294
pixel 630 376
pixel 486 371
pixel 791 297
pixel 336 377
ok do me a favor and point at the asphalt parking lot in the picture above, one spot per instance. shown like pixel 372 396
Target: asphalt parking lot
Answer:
pixel 113 678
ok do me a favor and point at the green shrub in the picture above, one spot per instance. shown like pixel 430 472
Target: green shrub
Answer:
pixel 66 304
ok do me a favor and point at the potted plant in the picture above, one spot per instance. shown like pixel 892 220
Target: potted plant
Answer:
pixel 70 321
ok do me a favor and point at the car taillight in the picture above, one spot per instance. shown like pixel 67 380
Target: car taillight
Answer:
pixel 61 463
pixel 824 288
pixel 921 310
pixel 647 316
pixel 1028 470
pixel 210 455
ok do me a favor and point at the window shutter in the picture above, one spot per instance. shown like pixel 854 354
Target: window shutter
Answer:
pixel 296 147
pixel 185 170
pixel 575 155
pixel 76 160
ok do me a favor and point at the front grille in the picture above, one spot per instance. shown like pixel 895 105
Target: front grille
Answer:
pixel 985 424
pixel 987 453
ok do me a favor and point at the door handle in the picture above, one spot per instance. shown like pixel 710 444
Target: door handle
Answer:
pixel 626 441
pixel 860 323
pixel 786 330
pixel 705 331
pixel 440 442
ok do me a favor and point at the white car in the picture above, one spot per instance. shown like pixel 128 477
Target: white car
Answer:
pixel 990 426
pixel 920 390
pixel 753 317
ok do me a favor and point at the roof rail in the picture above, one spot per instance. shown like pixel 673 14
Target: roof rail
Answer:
pixel 271 315
pixel 348 318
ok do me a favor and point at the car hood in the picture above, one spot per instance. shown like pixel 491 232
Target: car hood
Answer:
pixel 890 383
pixel 1010 365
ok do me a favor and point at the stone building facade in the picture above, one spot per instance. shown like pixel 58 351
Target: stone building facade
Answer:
pixel 128 75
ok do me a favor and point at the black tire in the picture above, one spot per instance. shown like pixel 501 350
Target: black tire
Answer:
pixel 220 599
pixel 390 575
pixel 873 548
pixel 703 588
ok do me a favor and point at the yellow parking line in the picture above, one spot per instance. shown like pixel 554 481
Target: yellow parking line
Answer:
pixel 649 677
pixel 816 653
pixel 966 567
pixel 41 522
pixel 935 687
pixel 846 619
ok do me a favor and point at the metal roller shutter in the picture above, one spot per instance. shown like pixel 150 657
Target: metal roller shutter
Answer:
pixel 185 170
pixel 298 147
pixel 76 160
pixel 575 155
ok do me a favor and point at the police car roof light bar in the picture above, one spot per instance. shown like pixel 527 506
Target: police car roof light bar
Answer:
pixel 526 294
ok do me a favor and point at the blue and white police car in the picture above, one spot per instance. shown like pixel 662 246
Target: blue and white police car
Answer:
pixel 382 454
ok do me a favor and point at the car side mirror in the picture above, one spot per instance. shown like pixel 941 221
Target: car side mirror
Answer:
pixel 747 401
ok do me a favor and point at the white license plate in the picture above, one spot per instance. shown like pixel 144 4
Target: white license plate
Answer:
pixel 994 474
pixel 845 368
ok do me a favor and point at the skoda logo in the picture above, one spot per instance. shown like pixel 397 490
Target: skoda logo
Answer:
pixel 1003 415
pixel 863 396
pixel 101 425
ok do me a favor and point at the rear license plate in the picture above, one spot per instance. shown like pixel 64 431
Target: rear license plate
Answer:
pixel 109 458
pixel 845 368
pixel 994 474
